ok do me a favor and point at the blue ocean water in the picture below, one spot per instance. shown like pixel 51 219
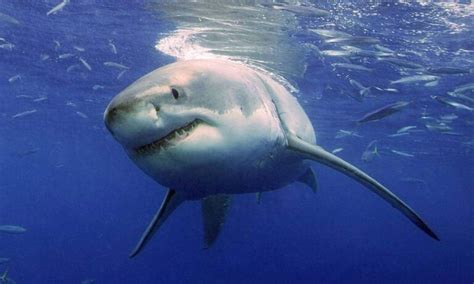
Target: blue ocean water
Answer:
pixel 84 204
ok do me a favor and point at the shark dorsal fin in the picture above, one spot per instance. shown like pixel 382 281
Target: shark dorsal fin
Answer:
pixel 170 203
pixel 214 210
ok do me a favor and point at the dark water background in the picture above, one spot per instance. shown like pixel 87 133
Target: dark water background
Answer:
pixel 84 204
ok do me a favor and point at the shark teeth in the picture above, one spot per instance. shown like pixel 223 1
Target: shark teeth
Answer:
pixel 169 139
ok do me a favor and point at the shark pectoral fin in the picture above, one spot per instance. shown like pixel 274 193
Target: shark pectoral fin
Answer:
pixel 320 155
pixel 170 203
pixel 309 178
pixel 214 210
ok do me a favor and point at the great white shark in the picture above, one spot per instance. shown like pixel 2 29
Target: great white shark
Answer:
pixel 207 129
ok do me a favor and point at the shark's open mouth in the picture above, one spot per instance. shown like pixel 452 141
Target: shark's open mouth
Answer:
pixel 170 139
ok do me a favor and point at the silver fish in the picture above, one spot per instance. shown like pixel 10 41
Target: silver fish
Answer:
pixel 65 55
pixel 84 62
pixel 402 63
pixel 463 88
pixel 452 103
pixel 115 65
pixel 415 79
pixel 406 128
pixel 336 53
pixel 112 47
pixel 344 133
pixel 9 19
pixel 81 114
pixel 370 151
pixel 57 8
pixel 353 40
pixel 25 113
pixel 351 66
pixel 448 70
pixel 14 78
pixel 400 153
pixel 12 229
pixel 329 33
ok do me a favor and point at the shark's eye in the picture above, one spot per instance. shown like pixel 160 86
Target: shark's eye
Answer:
pixel 175 93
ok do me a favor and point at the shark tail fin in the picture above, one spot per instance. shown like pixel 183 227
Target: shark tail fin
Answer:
pixel 320 155
pixel 214 211
pixel 170 203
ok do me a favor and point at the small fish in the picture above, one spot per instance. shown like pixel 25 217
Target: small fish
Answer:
pixel 404 154
pixel 462 97
pixel 358 52
pixel 72 67
pixel 432 83
pixel 25 113
pixel 402 63
pixel 353 40
pixel 337 150
pixel 452 103
pixel 14 78
pixel 351 66
pixel 65 55
pixel 40 99
pixel 115 65
pixel 370 151
pixel 363 91
pixel 438 127
pixel 343 133
pixel 406 128
pixel 9 19
pixel 78 48
pixel 463 88
pixel 97 87
pixel 57 8
pixel 336 53
pixel 383 111
pixel 12 229
pixel 329 33
pixel 44 57
pixel 81 114
pixel 7 46
pixel 4 260
pixel 121 74
pixel 448 70
pixel 415 79
pixel 57 43
pixel 84 62
pixel 112 47
pixel 449 117
pixel 352 95
pixel 398 134
pixel 383 48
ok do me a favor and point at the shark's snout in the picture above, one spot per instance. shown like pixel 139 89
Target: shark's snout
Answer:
pixel 109 117
pixel 131 121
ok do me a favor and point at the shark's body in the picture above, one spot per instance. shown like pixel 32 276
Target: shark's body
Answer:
pixel 209 128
